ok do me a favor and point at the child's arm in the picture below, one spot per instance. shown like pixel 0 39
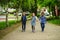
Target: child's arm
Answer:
pixel 37 18
pixel 26 18
pixel 45 19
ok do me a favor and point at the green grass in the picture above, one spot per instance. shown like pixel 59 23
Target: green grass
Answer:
pixel 3 24
pixel 11 23
pixel 55 21
pixel 11 15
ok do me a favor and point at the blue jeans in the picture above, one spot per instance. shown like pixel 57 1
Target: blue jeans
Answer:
pixel 42 26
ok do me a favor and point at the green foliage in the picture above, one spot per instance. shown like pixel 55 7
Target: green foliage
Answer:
pixel 4 2
pixel 55 21
pixel 50 4
pixel 15 4
pixel 47 2
pixel 3 24
pixel 30 15
pixel 38 15
pixel 53 17
pixel 25 5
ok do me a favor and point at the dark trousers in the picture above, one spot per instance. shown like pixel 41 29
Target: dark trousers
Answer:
pixel 33 28
pixel 23 26
pixel 42 26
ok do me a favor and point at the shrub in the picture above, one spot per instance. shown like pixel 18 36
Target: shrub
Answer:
pixel 38 15
pixel 3 24
pixel 55 21
pixel 53 17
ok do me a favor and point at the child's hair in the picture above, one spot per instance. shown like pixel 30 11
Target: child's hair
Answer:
pixel 33 14
pixel 23 13
pixel 42 13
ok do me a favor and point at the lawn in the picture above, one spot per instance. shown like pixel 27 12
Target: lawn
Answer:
pixel 55 21
pixel 3 24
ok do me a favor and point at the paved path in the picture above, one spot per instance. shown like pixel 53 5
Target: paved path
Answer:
pixel 52 32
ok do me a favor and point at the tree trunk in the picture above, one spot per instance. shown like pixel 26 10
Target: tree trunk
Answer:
pixel 35 10
pixel 7 20
pixel 17 16
pixel 56 10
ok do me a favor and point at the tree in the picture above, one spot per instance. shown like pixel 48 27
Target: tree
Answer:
pixel 3 3
pixel 16 4
pixel 51 4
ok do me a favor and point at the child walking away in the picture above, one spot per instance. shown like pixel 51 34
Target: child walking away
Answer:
pixel 42 21
pixel 23 19
pixel 33 22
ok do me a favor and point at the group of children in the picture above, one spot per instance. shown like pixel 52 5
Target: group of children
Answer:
pixel 42 20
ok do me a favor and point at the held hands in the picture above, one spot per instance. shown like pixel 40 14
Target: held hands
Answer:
pixel 37 19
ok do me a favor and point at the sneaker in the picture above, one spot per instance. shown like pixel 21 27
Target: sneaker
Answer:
pixel 33 31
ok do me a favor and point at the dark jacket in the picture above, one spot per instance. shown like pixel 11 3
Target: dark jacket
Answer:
pixel 23 19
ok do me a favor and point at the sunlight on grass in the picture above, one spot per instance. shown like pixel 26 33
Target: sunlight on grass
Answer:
pixel 55 21
pixel 3 24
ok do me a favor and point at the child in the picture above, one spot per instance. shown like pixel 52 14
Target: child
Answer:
pixel 42 20
pixel 23 19
pixel 33 23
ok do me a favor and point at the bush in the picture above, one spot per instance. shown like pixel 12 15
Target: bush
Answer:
pixel 55 21
pixel 53 17
pixel 38 15
pixel 29 15
pixel 3 24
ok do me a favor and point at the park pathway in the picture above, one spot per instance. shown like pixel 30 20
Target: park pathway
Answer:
pixel 52 32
